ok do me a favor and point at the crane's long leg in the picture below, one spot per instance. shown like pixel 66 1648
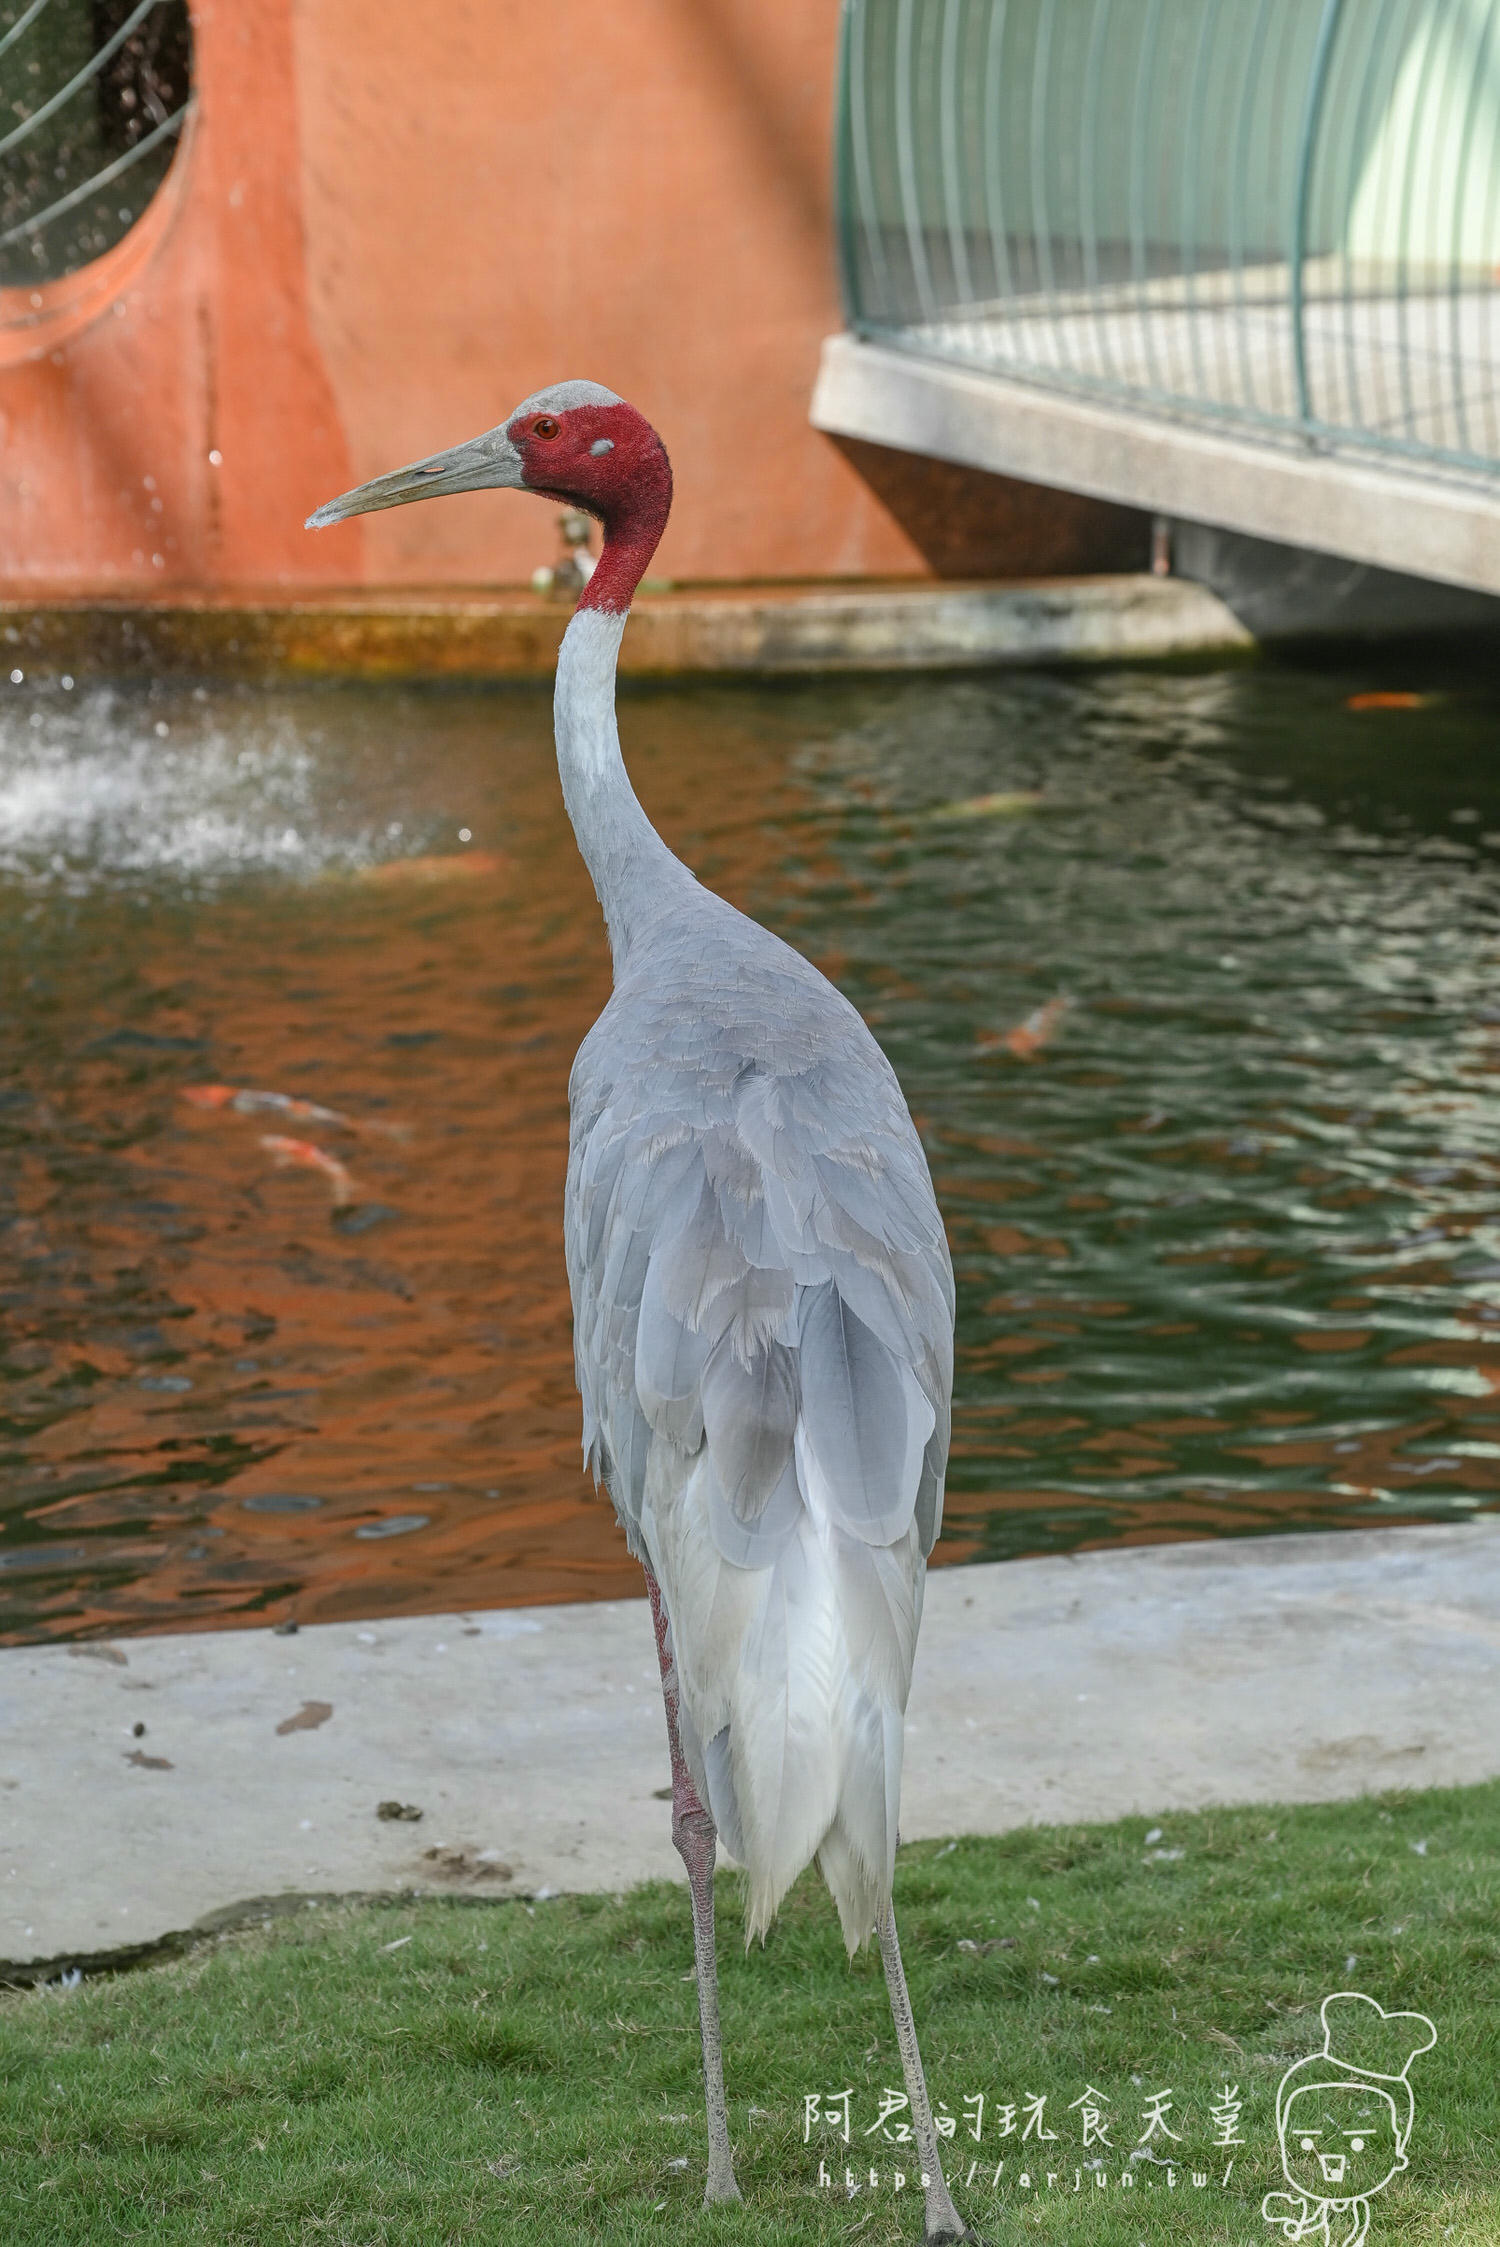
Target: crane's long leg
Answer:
pixel 943 2219
pixel 694 1837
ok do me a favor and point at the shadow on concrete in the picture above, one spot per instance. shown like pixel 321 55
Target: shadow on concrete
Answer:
pixel 967 523
pixel 1290 593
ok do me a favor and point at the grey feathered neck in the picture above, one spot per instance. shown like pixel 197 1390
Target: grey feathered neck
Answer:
pixel 637 880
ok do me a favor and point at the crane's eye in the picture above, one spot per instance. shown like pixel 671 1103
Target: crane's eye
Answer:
pixel 544 426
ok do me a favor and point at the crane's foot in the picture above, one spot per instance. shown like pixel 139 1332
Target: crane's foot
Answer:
pixel 945 2227
pixel 719 2189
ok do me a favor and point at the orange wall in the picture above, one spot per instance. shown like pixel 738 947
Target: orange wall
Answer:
pixel 386 226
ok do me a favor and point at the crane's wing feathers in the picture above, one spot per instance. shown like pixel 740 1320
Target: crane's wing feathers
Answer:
pixel 757 1263
pixel 763 1323
pixel 866 1421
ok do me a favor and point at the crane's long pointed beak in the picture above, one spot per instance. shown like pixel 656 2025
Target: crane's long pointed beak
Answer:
pixel 486 463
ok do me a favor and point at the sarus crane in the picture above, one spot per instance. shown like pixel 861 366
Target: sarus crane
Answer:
pixel 762 1300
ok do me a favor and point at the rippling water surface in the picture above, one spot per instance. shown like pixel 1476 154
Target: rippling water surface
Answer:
pixel 1191 981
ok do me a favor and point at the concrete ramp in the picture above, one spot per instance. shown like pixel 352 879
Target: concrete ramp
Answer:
pixel 1444 527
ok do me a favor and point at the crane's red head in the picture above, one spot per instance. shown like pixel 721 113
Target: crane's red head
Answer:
pixel 575 442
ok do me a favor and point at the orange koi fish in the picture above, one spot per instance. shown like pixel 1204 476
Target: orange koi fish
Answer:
pixel 301 1154
pixel 453 866
pixel 1385 701
pixel 246 1100
pixel 1028 1037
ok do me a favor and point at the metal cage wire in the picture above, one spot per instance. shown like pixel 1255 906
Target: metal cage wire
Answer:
pixel 1279 214
pixel 54 61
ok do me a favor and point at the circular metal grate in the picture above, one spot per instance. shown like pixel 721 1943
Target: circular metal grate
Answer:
pixel 93 96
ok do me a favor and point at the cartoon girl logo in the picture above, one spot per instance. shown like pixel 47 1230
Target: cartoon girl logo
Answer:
pixel 1343 2116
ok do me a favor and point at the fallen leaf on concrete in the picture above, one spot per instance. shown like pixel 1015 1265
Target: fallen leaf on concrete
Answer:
pixel 308 1717
pixel 144 1762
pixel 97 1651
pixel 393 1810
pixel 466 1864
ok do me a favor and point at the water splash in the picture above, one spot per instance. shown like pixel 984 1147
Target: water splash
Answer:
pixel 102 787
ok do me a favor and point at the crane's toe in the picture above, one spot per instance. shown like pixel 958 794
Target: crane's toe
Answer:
pixel 946 2228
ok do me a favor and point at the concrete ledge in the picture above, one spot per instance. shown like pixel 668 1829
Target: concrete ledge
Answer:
pixel 774 631
pixel 1374 512
pixel 1165 1677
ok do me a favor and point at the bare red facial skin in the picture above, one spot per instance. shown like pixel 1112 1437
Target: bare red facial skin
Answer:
pixel 628 487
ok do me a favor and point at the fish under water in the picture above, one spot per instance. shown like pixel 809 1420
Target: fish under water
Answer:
pixel 999 803
pixel 450 866
pixel 248 1100
pixel 1026 1038
pixel 303 1154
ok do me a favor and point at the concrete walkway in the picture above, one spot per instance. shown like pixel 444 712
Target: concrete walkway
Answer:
pixel 147 1782
pixel 1384 510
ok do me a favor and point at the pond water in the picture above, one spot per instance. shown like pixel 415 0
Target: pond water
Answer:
pixel 1191 979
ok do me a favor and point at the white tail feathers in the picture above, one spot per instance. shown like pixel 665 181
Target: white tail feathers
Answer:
pixel 793 1679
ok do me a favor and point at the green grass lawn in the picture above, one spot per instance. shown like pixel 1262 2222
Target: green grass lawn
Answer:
pixel 438 2072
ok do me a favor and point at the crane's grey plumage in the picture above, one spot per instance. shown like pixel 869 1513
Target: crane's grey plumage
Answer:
pixel 762 1302
pixel 763 1319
